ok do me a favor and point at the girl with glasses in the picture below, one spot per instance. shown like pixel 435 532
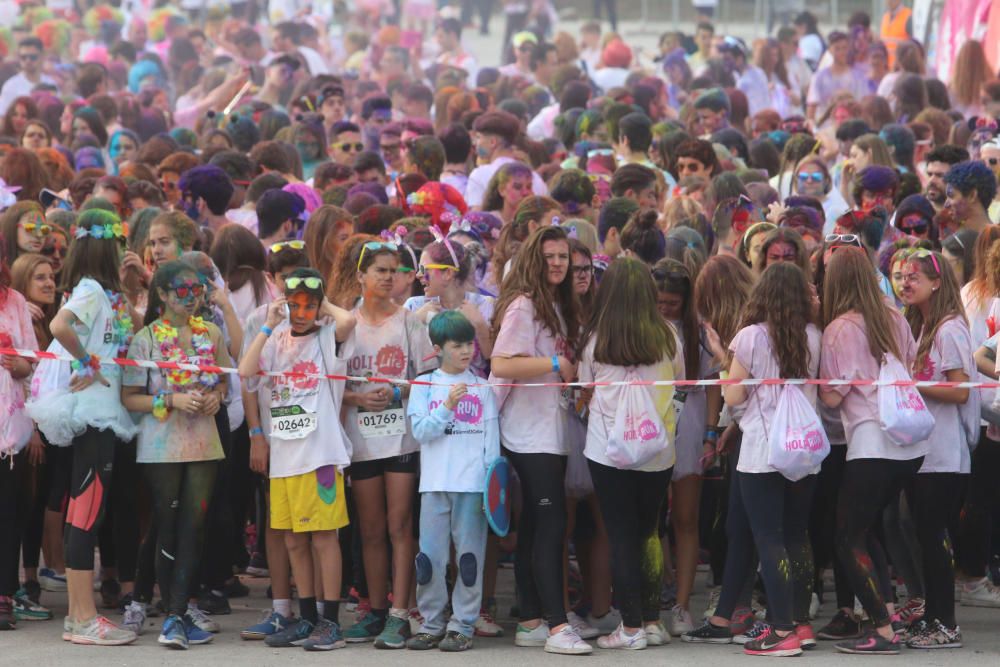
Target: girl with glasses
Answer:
pixel 23 229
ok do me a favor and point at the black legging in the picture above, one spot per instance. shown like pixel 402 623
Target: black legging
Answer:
pixel 822 531
pixel 35 482
pixel 217 557
pixel 868 486
pixel 630 504
pixel 90 479
pixel 929 495
pixel 740 561
pixel 981 500
pixel 12 501
pixel 539 565
pixel 181 494
pixel 778 514
pixel 119 537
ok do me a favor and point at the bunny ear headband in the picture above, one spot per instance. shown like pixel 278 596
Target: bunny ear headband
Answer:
pixel 441 238
pixel 396 236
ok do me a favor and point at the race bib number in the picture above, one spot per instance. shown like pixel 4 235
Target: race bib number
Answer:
pixel 292 422
pixel 391 421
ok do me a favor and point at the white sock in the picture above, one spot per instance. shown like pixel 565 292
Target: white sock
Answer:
pixel 400 613
pixel 283 607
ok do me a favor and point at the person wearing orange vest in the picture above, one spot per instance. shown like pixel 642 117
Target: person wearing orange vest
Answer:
pixel 897 26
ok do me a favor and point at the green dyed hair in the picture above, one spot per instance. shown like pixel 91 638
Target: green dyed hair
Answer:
pixel 450 325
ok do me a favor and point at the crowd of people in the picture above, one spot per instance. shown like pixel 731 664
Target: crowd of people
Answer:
pixel 536 244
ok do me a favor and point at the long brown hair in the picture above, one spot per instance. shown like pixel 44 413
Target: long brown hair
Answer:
pixel 512 235
pixel 720 293
pixel 849 285
pixel 789 237
pixel 673 277
pixel 9 221
pixel 343 288
pixel 945 303
pixel 88 257
pixel 970 71
pixel 20 277
pixel 529 277
pixel 320 237
pixel 626 326
pixel 781 300
pixel 241 259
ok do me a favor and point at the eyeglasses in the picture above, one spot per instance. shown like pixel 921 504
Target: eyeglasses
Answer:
pixel 349 147
pixel 372 246
pixel 814 176
pixel 311 282
pixel 189 289
pixel 36 228
pixel 294 245
pixel 583 271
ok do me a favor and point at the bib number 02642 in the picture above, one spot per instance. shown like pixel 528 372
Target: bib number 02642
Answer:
pixel 292 422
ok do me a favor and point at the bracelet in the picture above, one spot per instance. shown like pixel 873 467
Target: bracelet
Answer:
pixel 160 410
pixel 711 434
pixel 256 430
pixel 85 367
pixel 266 330
pixel 397 393
pixel 555 363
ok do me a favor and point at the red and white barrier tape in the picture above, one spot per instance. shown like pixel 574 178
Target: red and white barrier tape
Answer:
pixel 170 365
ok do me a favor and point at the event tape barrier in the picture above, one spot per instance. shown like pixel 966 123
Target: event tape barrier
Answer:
pixel 205 368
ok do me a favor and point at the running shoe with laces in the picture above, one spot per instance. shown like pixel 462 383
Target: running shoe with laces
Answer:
pixel 773 644
pixel 567 642
pixel 423 641
pixel 8 621
pixel 455 642
pixel 173 634
pixel 709 634
pixel 981 593
pixel 294 635
pixel 871 644
pixel 196 636
pixel 99 631
pixel 395 633
pixel 531 637
pixel 843 625
pixel 326 636
pixel 257 567
pixel 936 634
pixel 656 634
pixel 741 621
pixel 51 580
pixel 26 610
pixel 366 629
pixel 486 626
pixel 912 611
pixel 581 626
pixel 804 632
pixel 756 631
pixel 622 640
pixel 270 623
pixel 713 602
pixel 134 616
pixel 914 629
pixel 679 621
pixel 68 626
pixel 201 619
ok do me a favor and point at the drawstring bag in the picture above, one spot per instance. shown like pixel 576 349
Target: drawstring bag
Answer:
pixel 15 426
pixel 902 412
pixel 638 434
pixel 797 443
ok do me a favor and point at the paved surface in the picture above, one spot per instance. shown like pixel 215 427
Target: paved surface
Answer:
pixel 38 644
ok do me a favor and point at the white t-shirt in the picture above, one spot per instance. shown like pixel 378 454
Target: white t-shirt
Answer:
pixel 533 420
pixel 456 446
pixel 480 365
pixel 321 441
pixel 19 86
pixel 610 77
pixel 480 177
pixel 752 348
pixel 398 348
pixel 605 400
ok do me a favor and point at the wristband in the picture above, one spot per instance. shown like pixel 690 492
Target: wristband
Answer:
pixel 160 411
pixel 397 393
pixel 266 330
pixel 85 367
pixel 555 363
pixel 256 430
pixel 711 434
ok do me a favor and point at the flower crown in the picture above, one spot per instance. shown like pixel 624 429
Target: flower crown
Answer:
pixel 119 230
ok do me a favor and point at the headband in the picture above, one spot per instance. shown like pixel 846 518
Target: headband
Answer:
pixel 439 236
pixel 119 230
pixel 397 237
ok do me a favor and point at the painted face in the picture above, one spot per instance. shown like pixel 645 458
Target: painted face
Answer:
pixel 34 138
pixel 515 189
pixel 583 273
pixel 31 232
pixel 303 308
pixel 646 198
pixel 162 245
pixel 307 145
pixel 123 149
pixel 957 203
pixel 711 121
pixel 780 252
pixel 896 277
pixel 917 287
pixel 870 200
pixel 914 225
pixel 485 144
pixel 670 305
pixel 42 285
pixel 183 296
pixel 556 256
pixel 378 279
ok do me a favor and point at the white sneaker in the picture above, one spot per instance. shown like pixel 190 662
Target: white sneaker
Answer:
pixel 980 593
pixel 713 602
pixel 134 617
pixel 69 627
pixel 581 626
pixel 605 624
pixel 656 634
pixel 202 621
pixel 99 631
pixel 534 637
pixel 567 642
pixel 416 620
pixel 813 607
pixel 620 639
pixel 486 626
pixel 679 621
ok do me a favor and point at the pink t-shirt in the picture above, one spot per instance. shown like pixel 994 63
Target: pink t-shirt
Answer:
pixel 532 419
pixel 752 348
pixel 846 356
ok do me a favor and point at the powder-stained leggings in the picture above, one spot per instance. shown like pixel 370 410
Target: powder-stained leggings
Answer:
pixel 929 495
pixel 630 504
pixel 538 569
pixel 90 479
pixel 869 485
pixel 181 493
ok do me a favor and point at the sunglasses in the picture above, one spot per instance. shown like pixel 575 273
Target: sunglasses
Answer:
pixel 372 246
pixel 55 251
pixel 439 267
pixel 919 228
pixel 348 147
pixel 310 283
pixel 848 239
pixel 673 276
pixel 187 290
pixel 294 245
pixel 814 176
pixel 38 229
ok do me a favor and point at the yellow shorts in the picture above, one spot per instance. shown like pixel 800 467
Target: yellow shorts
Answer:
pixel 309 502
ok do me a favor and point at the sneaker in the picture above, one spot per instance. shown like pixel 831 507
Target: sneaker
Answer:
pixel 567 642
pixel 898 626
pixel 486 626
pixel 270 623
pixel 235 589
pixel 99 631
pixel 423 641
pixel 7 618
pixel 68 629
pixel 32 590
pixel 134 617
pixel 814 605
pixel 918 628
pixel 804 631
pixel 351 602
pixel 362 608
pixel 709 634
pixel 326 636
pixel 257 567
pixel 656 634
pixel 713 602
pixel 367 628
pixel 111 593
pixel 912 611
pixel 741 621
pixel 620 639
pixel 668 597
pixel 51 581
pixel 395 633
pixel 581 626
pixel 26 610
pixel 216 604
pixel 605 624
pixel 195 634
pixel 842 626
pixel 201 619
pixel 774 645
pixel 455 642
pixel 416 621
pixel 871 644
pixel 533 637
pixel 936 635
pixel 173 634
pixel 980 593
pixel 679 621
pixel 295 634
pixel 758 630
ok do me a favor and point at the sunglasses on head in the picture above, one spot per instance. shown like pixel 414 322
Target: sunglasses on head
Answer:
pixel 188 289
pixel 372 246
pixel 36 228
pixel 294 245
pixel 349 147
pixel 310 283
pixel 845 239
pixel 814 176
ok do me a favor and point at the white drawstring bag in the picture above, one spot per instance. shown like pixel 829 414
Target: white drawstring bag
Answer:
pixel 797 442
pixel 902 412
pixel 15 426
pixel 638 434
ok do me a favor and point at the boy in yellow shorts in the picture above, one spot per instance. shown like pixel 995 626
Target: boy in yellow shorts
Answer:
pixel 309 450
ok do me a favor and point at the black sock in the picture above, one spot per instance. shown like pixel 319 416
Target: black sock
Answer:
pixel 331 610
pixel 307 610
pixel 380 613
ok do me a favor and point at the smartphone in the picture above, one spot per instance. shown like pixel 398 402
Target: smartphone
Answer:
pixel 50 198
pixel 288 315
